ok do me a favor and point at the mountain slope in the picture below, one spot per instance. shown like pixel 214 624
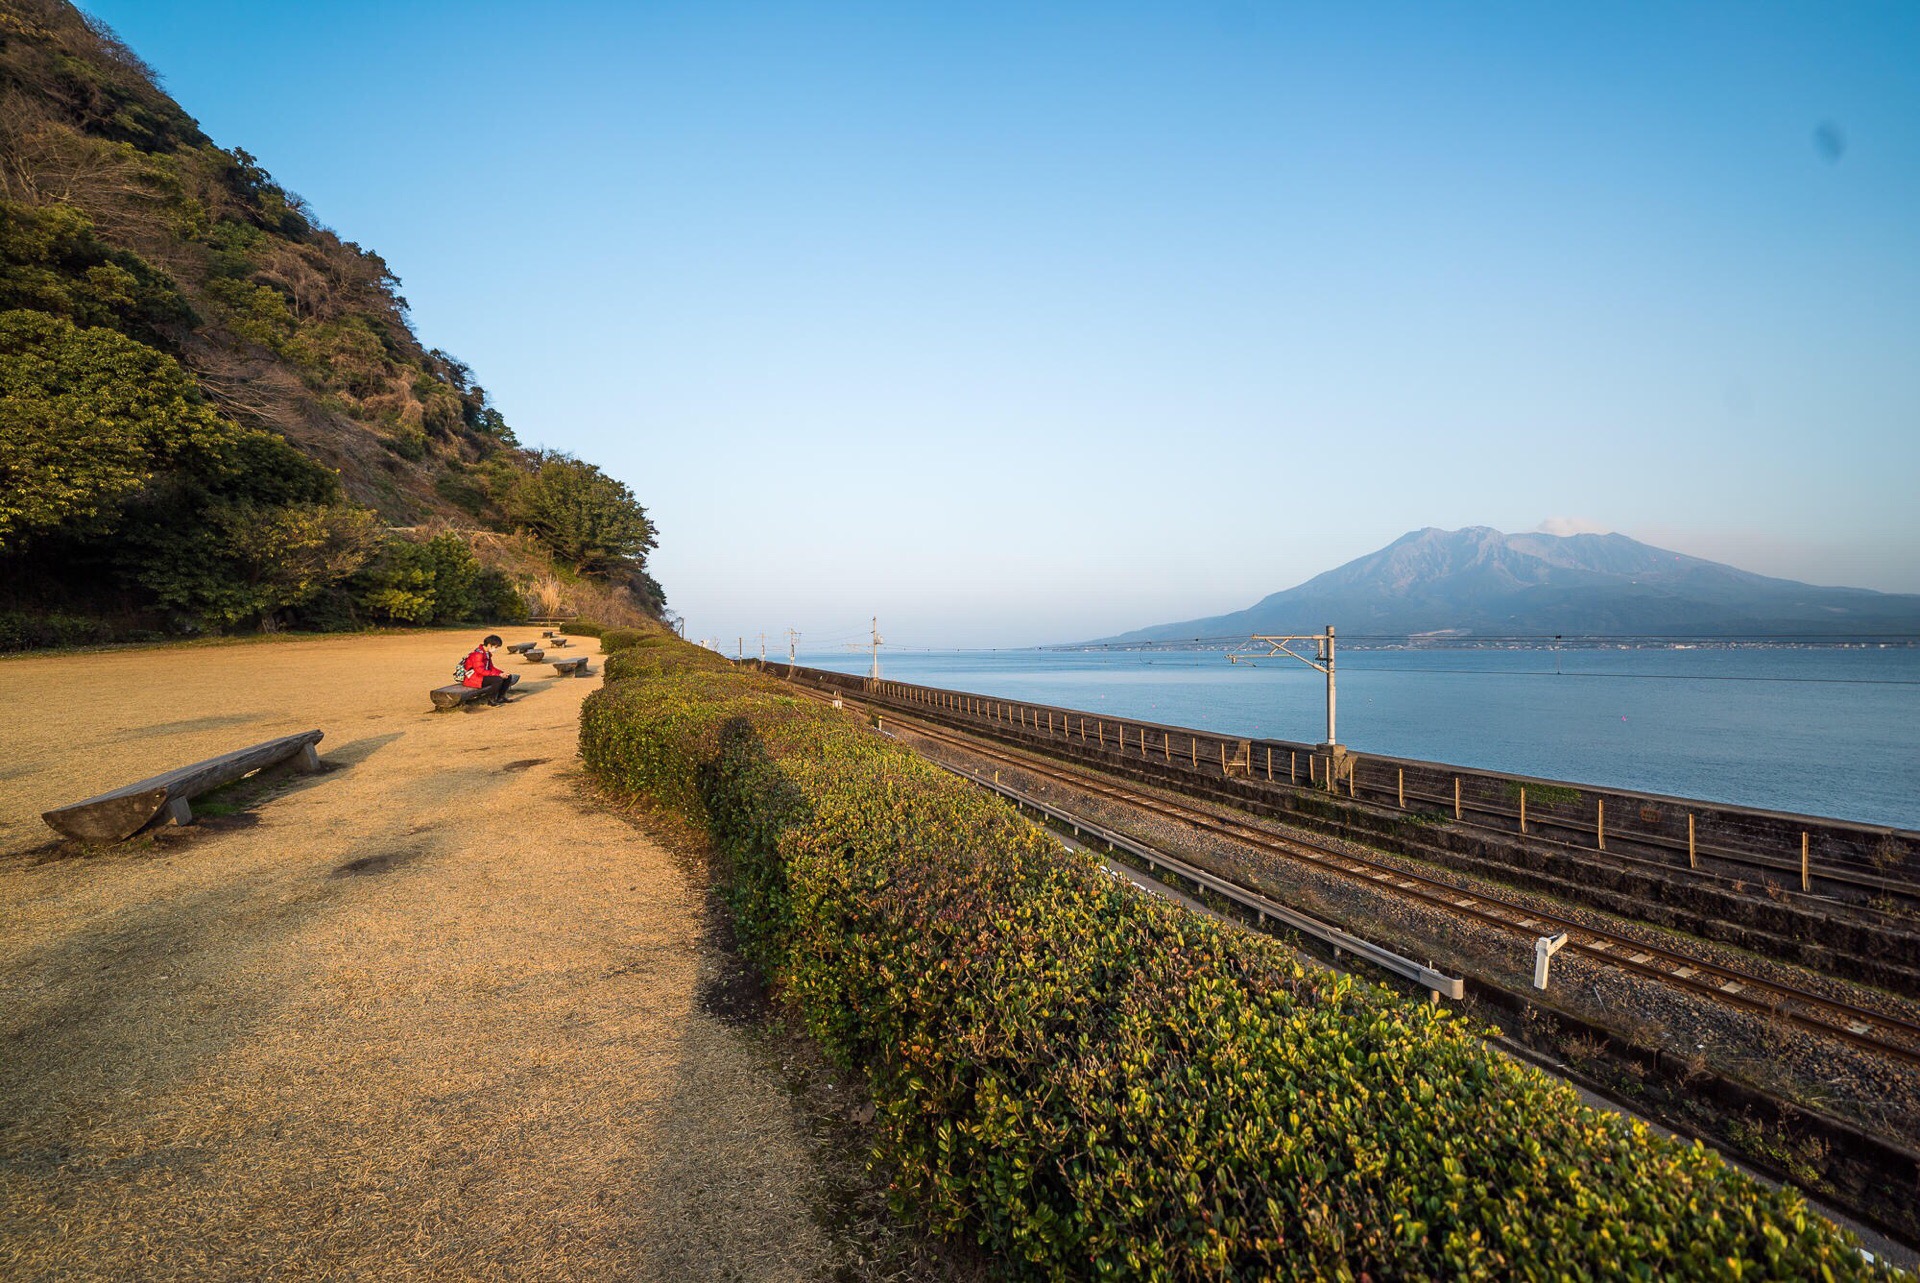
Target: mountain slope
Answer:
pixel 308 447
pixel 1479 582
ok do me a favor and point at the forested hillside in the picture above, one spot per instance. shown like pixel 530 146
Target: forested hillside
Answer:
pixel 214 412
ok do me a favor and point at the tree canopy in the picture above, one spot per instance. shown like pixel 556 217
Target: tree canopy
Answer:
pixel 589 520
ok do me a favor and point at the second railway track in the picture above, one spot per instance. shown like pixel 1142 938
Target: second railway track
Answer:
pixel 1879 1032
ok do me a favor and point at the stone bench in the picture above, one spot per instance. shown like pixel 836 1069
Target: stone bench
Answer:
pixel 533 656
pixel 445 697
pixel 112 817
pixel 520 647
pixel 575 667
pixel 557 641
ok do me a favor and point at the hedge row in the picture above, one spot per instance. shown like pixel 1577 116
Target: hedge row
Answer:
pixel 617 639
pixel 1094 1084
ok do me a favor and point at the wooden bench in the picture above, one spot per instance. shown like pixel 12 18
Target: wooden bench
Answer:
pixel 575 667
pixel 112 817
pixel 520 647
pixel 533 656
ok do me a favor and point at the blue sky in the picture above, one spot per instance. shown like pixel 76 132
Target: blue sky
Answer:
pixel 1023 323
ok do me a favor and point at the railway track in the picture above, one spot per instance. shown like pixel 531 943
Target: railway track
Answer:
pixel 1818 874
pixel 1892 1036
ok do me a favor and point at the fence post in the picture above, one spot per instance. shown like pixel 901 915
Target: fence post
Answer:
pixel 1600 821
pixel 1693 861
pixel 1456 797
pixel 1806 883
pixel 1523 810
pixel 1401 772
pixel 1269 764
pixel 1193 752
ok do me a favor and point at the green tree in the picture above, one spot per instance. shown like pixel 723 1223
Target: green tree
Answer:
pixel 88 416
pixel 51 261
pixel 586 518
pixel 437 581
pixel 244 563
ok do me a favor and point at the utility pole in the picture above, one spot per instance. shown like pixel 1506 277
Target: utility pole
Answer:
pixel 793 637
pixel 763 648
pixel 739 648
pixel 1322 662
pixel 875 675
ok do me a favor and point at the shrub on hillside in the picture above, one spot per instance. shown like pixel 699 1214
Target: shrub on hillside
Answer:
pixel 1092 1083
pixel 88 417
pixel 437 581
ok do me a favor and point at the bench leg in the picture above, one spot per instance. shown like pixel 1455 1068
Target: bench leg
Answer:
pixel 178 811
pixel 309 760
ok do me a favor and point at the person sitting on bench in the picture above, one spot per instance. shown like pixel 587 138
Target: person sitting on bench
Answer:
pixel 482 673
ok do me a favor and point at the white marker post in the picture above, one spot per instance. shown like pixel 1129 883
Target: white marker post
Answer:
pixel 1543 950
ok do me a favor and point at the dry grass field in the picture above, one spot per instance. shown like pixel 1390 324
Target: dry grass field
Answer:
pixel 431 1014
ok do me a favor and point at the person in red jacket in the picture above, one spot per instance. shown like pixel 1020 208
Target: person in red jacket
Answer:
pixel 482 672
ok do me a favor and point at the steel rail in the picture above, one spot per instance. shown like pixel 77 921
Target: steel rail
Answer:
pixel 1717 982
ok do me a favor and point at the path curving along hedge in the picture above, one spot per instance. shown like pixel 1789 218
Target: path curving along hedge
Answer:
pixel 1094 1084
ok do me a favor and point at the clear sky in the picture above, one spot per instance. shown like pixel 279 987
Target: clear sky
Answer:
pixel 1022 323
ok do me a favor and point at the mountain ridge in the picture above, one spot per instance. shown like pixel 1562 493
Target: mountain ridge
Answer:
pixel 1481 582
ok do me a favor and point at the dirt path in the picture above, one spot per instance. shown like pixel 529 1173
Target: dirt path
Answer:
pixel 429 1014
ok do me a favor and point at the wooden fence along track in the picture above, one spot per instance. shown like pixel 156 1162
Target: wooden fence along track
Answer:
pixel 1876 1031
pixel 1654 832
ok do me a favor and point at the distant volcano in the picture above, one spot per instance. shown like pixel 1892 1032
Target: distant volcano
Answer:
pixel 1479 582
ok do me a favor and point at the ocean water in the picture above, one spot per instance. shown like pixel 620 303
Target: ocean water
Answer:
pixel 1821 730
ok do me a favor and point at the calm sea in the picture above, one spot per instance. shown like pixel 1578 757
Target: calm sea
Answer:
pixel 1823 730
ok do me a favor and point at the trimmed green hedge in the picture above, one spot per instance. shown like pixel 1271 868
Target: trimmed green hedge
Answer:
pixel 585 628
pixel 1092 1083
pixel 614 639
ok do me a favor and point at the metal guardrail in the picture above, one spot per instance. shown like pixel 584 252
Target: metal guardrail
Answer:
pixel 1437 984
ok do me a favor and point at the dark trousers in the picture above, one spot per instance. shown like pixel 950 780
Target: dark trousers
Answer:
pixel 494 689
